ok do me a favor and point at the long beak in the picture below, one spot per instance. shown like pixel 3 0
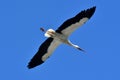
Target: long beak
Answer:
pixel 42 29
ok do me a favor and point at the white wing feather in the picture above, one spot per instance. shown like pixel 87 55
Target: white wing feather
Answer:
pixel 51 48
pixel 67 31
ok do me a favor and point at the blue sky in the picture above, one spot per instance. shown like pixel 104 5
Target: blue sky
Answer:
pixel 20 21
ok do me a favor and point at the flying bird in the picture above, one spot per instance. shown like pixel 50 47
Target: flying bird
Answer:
pixel 56 37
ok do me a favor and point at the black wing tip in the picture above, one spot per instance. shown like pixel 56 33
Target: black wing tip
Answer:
pixel 34 64
pixel 93 8
pixel 30 67
pixel 90 12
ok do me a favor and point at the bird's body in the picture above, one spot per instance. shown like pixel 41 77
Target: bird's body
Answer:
pixel 56 37
pixel 61 38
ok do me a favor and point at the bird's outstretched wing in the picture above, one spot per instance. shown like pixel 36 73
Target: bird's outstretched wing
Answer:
pixel 44 52
pixel 71 24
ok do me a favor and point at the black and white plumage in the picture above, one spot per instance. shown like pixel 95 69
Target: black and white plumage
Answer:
pixel 59 36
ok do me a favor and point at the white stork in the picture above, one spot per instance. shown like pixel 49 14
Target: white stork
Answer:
pixel 59 36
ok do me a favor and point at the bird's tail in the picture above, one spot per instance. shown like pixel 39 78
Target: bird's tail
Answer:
pixel 79 48
pixel 76 46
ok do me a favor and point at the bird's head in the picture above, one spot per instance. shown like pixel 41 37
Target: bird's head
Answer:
pixel 50 33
